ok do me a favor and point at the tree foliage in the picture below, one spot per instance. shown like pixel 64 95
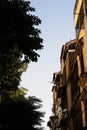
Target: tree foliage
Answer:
pixel 19 37
pixel 21 113
pixel 19 41
pixel 11 69
pixel 18 27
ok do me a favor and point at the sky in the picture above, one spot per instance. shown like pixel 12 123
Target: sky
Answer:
pixel 57 28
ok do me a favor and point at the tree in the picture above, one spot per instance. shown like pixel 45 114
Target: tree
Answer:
pixel 19 42
pixel 18 28
pixel 11 69
pixel 21 113
pixel 19 38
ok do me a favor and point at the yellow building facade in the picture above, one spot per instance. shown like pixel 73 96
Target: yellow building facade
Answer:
pixel 69 111
pixel 80 19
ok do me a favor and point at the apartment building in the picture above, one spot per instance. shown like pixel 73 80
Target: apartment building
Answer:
pixel 70 82
pixel 69 72
pixel 80 19
pixel 63 88
pixel 57 108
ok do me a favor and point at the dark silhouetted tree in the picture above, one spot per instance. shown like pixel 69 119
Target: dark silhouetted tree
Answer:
pixel 19 41
pixel 18 27
pixel 21 113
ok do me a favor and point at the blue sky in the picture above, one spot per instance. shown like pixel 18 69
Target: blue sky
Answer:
pixel 57 28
